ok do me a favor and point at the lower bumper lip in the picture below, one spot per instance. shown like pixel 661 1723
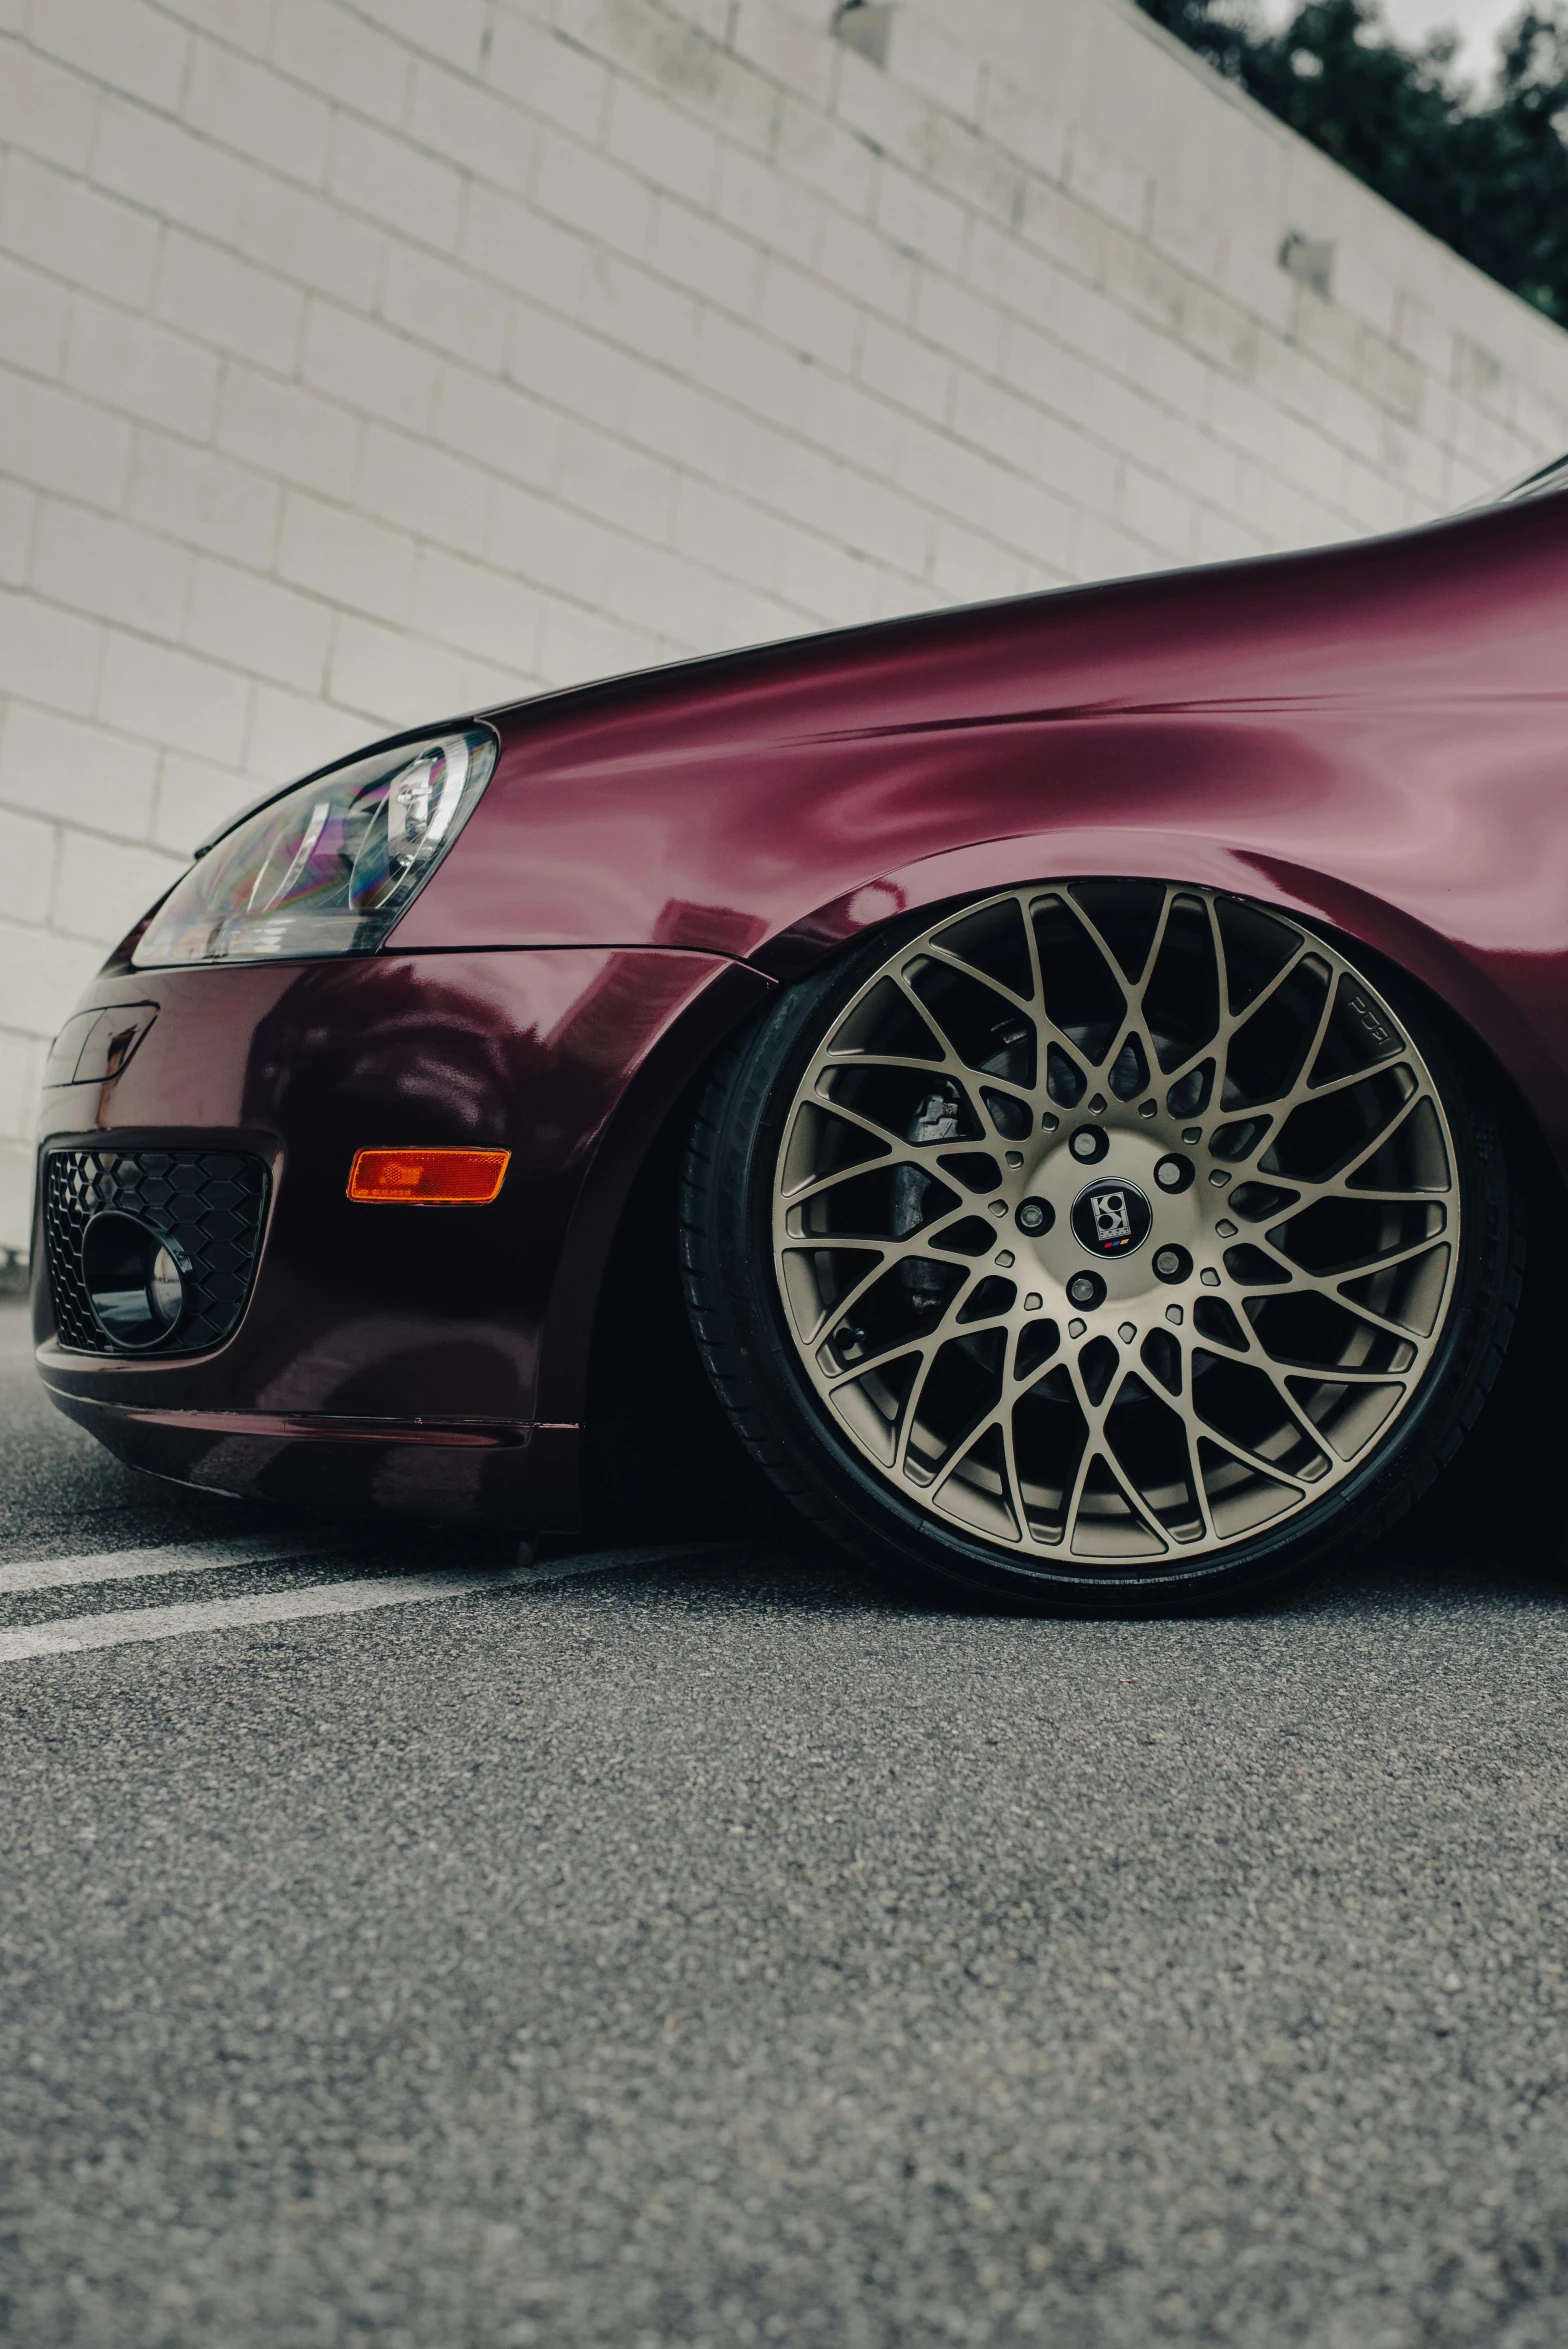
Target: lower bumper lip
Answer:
pixel 330 1426
pixel 461 1468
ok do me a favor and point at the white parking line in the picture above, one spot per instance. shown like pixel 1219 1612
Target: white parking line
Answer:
pixel 75 1634
pixel 25 1574
pixel 324 1598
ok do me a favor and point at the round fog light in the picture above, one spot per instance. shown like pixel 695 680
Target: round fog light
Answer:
pixel 135 1280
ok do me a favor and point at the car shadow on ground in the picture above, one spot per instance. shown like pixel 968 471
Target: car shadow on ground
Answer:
pixel 1398 1576
pixel 60 1491
pixel 1400 1572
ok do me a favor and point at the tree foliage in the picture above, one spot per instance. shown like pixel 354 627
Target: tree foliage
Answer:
pixel 1489 175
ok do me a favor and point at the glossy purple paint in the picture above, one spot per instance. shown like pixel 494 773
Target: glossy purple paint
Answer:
pixel 1373 734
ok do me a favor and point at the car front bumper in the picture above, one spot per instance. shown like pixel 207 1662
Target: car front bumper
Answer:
pixel 397 1357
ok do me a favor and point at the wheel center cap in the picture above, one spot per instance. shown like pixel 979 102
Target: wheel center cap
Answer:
pixel 1111 1217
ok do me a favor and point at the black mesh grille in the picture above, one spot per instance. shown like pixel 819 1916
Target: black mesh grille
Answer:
pixel 208 1201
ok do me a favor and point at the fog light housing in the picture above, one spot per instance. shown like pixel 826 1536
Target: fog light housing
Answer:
pixel 135 1280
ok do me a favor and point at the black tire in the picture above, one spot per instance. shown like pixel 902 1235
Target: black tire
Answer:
pixel 744 1333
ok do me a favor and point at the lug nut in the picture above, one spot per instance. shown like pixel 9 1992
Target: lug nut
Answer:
pixel 1086 1289
pixel 1173 1173
pixel 1035 1215
pixel 1172 1264
pixel 1089 1144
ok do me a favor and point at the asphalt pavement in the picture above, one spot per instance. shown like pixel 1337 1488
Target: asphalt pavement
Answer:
pixel 702 1948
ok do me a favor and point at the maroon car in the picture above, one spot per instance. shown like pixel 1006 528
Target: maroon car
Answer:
pixel 1062 1074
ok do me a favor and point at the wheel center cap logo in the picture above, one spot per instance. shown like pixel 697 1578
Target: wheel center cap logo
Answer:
pixel 1111 1218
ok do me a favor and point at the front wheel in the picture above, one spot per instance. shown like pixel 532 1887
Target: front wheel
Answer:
pixel 1103 1245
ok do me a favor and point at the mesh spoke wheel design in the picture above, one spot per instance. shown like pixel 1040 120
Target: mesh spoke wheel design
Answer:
pixel 1116 1223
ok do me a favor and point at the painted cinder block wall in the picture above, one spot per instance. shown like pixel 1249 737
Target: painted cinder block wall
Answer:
pixel 363 360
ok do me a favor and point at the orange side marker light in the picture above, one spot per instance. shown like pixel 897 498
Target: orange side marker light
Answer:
pixel 427 1178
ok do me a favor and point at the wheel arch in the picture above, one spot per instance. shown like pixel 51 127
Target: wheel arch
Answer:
pixel 1458 980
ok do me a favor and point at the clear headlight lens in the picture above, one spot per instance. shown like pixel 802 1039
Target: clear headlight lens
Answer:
pixel 328 868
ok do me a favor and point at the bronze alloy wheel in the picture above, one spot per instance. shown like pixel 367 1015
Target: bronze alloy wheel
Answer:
pixel 1114 1231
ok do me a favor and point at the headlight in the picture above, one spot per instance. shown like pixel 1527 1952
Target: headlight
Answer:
pixel 328 868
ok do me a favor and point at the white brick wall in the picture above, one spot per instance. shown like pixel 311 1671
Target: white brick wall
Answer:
pixel 362 360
